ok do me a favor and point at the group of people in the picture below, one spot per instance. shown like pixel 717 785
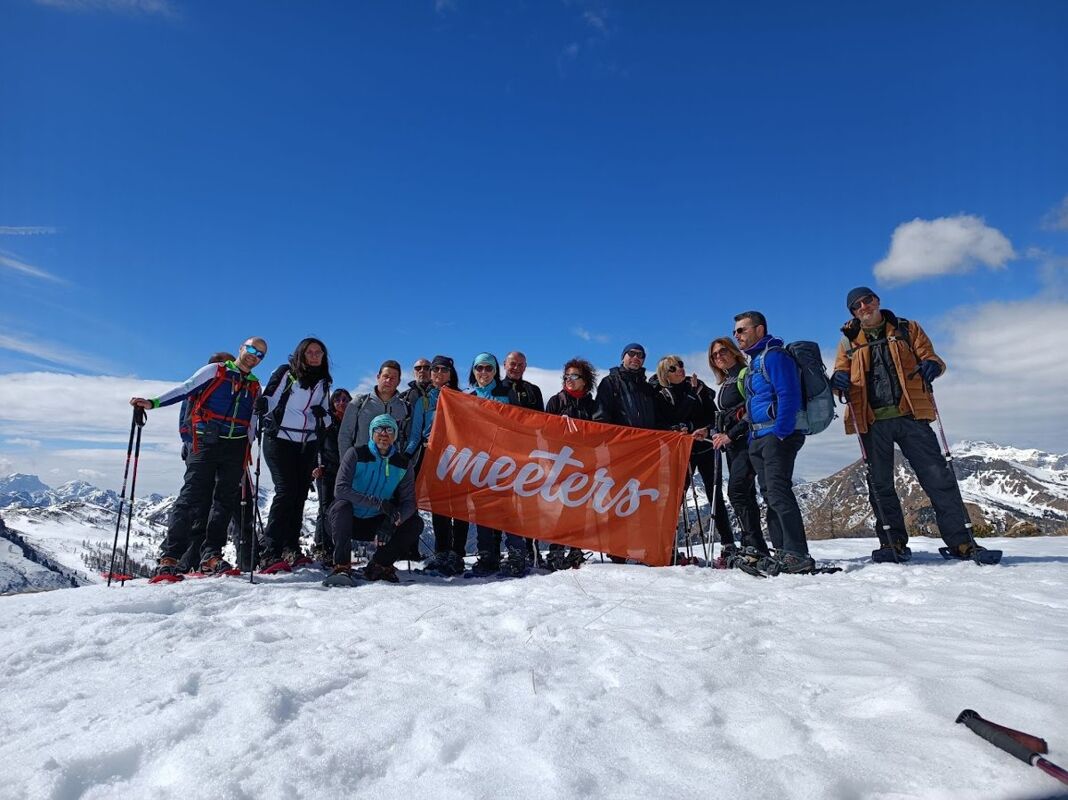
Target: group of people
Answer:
pixel 363 452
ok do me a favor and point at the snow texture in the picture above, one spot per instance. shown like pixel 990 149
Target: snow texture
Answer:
pixel 612 681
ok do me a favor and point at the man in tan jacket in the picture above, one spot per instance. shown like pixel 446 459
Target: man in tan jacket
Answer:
pixel 884 365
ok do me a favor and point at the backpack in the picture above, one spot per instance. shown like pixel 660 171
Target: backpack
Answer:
pixel 817 398
pixel 196 414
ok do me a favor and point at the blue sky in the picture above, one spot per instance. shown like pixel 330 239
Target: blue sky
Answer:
pixel 403 179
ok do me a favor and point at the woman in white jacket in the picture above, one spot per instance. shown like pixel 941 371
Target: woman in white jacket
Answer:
pixel 297 405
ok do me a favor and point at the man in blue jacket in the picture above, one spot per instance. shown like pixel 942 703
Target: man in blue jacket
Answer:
pixel 375 489
pixel 773 398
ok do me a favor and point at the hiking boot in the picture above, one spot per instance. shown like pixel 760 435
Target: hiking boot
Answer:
pixel 380 572
pixel 341 576
pixel 215 565
pixel 166 566
pixel 794 563
pixel 447 565
pixel 557 560
pixel 485 565
pixel 726 553
pixel 292 556
pixel 575 558
pixel 516 565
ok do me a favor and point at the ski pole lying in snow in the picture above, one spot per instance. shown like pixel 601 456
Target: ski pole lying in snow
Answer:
pixel 136 424
pixel 1024 746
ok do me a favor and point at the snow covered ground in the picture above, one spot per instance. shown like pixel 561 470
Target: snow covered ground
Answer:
pixel 612 681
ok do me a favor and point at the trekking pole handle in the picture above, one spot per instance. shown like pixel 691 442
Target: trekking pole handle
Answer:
pixel 139 417
pixel 1000 739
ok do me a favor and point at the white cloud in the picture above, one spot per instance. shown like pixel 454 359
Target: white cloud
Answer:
pixel 162 8
pixel 597 19
pixel 16 442
pixel 587 336
pixel 442 7
pixel 28 269
pixel 27 230
pixel 90 474
pixel 947 245
pixel 49 351
pixel 1056 219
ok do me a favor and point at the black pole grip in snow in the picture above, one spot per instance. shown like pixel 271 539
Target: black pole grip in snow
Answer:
pixel 998 738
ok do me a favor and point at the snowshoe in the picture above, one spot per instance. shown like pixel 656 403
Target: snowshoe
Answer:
pixel 516 565
pixel 683 560
pixel 484 567
pixel 217 565
pixel 274 567
pixel 117 576
pixel 166 571
pixel 301 561
pixel 380 572
pixel 444 565
pixel 341 576
pixel 556 560
pixel 896 553
pixel 971 552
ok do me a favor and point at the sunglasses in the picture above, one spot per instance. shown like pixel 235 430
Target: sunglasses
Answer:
pixel 867 300
pixel 253 351
pixel 439 368
pixel 383 429
pixel 675 367
pixel 635 354
pixel 572 376
pixel 421 367
pixel 483 368
pixel 743 329
pixel 723 352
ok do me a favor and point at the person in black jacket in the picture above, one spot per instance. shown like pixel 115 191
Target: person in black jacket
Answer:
pixel 687 405
pixel 624 396
pixel 527 394
pixel 294 403
pixel 732 437
pixel 576 401
pixel 326 476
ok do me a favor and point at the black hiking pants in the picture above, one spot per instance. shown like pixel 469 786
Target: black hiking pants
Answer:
pixel 741 490
pixel 773 459
pixel 703 458
pixel 920 448
pixel 450 535
pixel 346 527
pixel 291 465
pixel 210 489
pixel 325 490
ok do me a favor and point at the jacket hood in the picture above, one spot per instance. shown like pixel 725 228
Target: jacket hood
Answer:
pixel 765 342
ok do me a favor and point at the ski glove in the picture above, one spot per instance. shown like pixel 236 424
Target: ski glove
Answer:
pixel 261 405
pixel 318 412
pixel 840 380
pixel 930 370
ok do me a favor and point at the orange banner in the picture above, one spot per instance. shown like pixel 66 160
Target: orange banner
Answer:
pixel 600 487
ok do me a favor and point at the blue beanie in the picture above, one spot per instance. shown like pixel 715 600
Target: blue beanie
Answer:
pixel 384 421
pixel 485 358
pixel 632 346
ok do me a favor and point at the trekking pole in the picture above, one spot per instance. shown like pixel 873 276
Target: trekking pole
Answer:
pixel 947 454
pixel 139 420
pixel 700 522
pixel 880 517
pixel 1023 746
pixel 138 413
pixel 256 529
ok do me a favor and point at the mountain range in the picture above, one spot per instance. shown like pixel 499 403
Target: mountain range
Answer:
pixel 1008 491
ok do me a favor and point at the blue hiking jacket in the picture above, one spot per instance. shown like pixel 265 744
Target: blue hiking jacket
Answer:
pixel 367 479
pixel 772 402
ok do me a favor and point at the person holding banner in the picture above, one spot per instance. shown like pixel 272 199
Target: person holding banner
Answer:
pixel 575 401
pixel 450 535
pixel 374 489
pixel 624 396
pixel 485 382
pixel 687 405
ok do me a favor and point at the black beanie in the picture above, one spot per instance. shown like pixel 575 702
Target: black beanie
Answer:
pixel 856 294
pixel 633 346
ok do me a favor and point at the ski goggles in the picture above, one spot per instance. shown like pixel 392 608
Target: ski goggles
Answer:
pixel 253 351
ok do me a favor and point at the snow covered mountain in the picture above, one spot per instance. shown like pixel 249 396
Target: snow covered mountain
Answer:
pixel 1008 491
